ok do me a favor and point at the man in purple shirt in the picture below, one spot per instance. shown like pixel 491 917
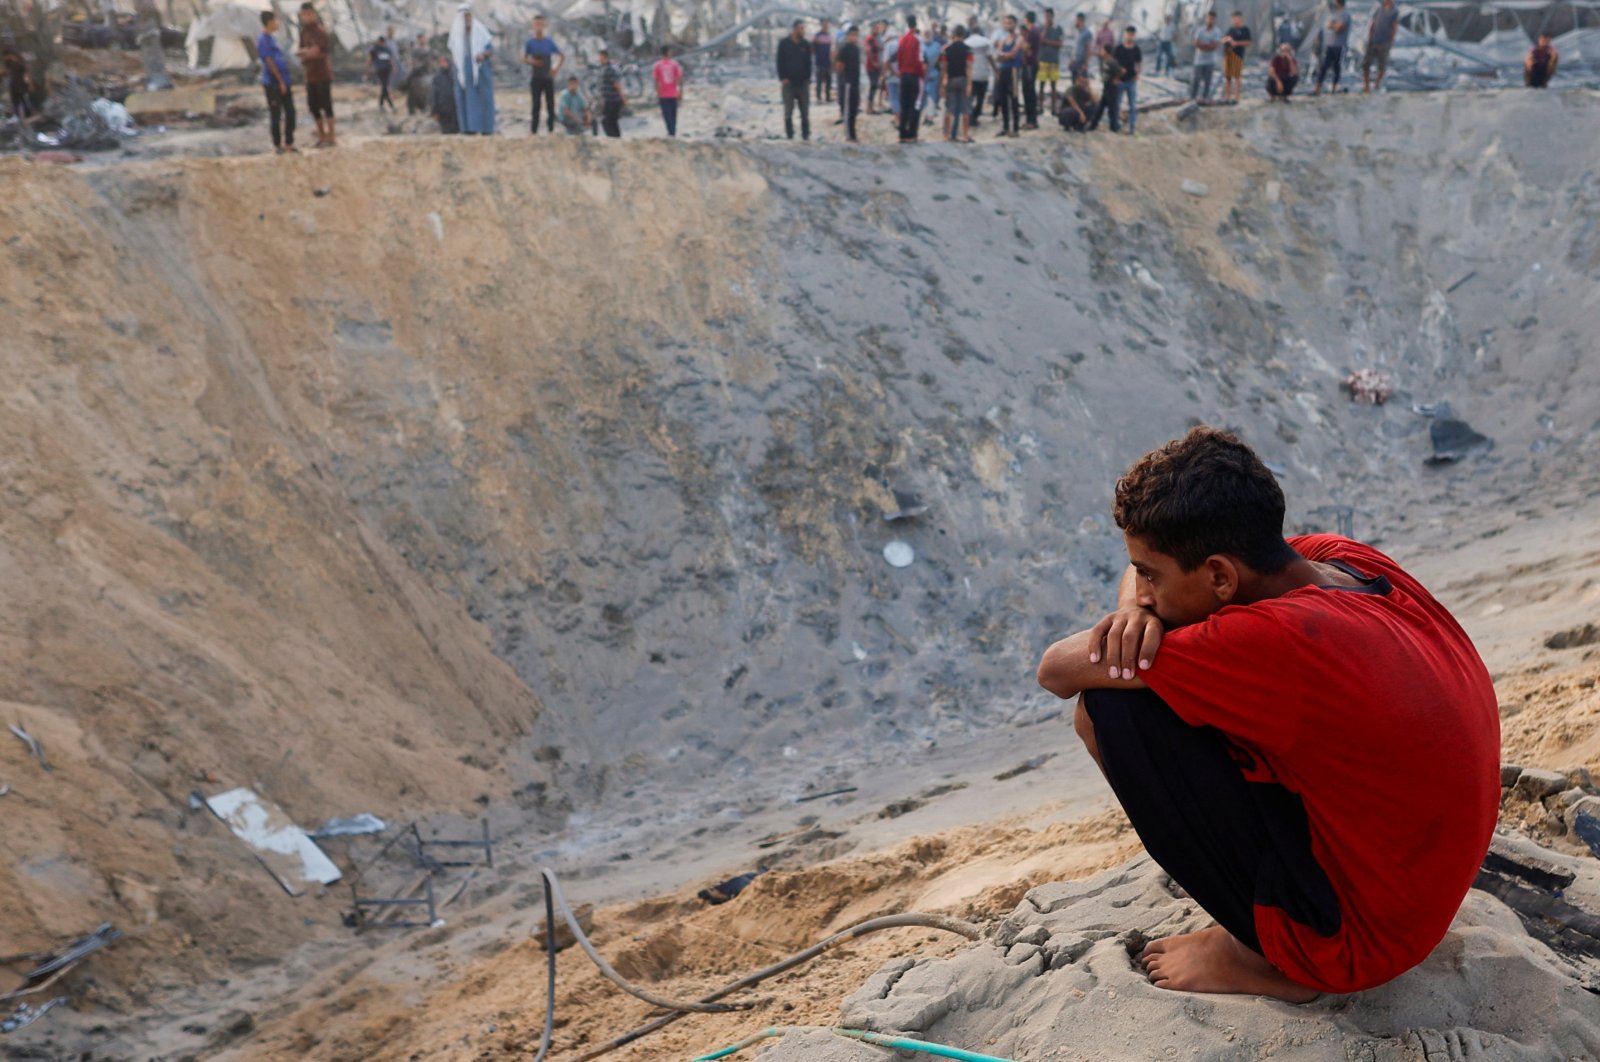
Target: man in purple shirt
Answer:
pixel 275 81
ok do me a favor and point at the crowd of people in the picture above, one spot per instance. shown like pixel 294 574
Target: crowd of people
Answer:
pixel 949 77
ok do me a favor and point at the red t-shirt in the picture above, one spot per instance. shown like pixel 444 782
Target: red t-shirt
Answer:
pixel 669 78
pixel 911 55
pixel 1375 708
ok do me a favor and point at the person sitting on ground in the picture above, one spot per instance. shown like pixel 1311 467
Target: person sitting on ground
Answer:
pixel 1303 738
pixel 1077 105
pixel 442 97
pixel 1283 73
pixel 1540 65
pixel 572 110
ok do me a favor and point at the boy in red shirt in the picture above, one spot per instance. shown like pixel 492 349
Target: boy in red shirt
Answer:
pixel 1263 709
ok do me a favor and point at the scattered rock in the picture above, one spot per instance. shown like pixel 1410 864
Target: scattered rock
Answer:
pixel 1509 773
pixel 1577 637
pixel 1583 819
pixel 1536 783
pixel 1198 189
pixel 1369 386
pixel 584 913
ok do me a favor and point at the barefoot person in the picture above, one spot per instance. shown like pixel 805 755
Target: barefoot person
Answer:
pixel 1303 738
pixel 315 56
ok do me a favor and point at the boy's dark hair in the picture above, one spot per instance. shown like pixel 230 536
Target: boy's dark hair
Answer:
pixel 308 6
pixel 911 21
pixel 267 17
pixel 1204 494
pixel 666 49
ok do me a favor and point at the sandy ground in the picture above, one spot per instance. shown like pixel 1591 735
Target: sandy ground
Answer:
pixel 441 478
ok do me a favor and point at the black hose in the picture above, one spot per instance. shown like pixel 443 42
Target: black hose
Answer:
pixel 550 992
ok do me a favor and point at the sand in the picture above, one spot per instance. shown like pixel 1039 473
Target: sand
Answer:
pixel 547 482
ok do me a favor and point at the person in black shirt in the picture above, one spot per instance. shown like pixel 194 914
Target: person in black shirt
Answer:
pixel 847 64
pixel 380 64
pixel 955 68
pixel 1129 58
pixel 1235 43
pixel 611 98
pixel 794 74
pixel 1110 78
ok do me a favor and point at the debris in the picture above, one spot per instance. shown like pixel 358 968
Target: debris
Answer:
pixel 115 117
pixel 899 554
pixel 320 192
pixel 1369 386
pixel 353 826
pixel 408 898
pixel 33 746
pixel 1470 274
pixel 727 890
pixel 1577 637
pixel 436 223
pixel 184 101
pixel 584 913
pixel 1198 189
pixel 52 967
pixel 423 844
pixel 27 1014
pixel 907 506
pixel 1536 784
pixel 56 158
pixel 282 847
pixel 1031 764
pixel 1274 192
pixel 1453 440
pixel 1509 773
pixel 1583 819
pixel 4 789
pixel 823 796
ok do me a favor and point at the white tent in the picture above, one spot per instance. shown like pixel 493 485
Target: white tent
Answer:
pixel 228 26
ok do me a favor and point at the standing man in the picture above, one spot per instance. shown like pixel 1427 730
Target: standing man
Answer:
pixel 543 58
pixel 794 75
pixel 1131 58
pixel 1207 43
pixel 1105 39
pixel 1082 46
pixel 380 67
pixel 982 49
pixel 275 80
pixel 471 49
pixel 1235 43
pixel 1540 65
pixel 847 63
pixel 912 69
pixel 1032 44
pixel 611 98
pixel 874 66
pixel 1050 56
pixel 1335 36
pixel 1166 58
pixel 932 48
pixel 419 73
pixel 669 88
pixel 20 84
pixel 955 63
pixel 316 59
pixel 822 62
pixel 1008 58
pixel 1380 38
pixel 442 97
pixel 1283 72
pixel 1110 79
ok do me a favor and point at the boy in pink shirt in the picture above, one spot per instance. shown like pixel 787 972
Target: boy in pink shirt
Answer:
pixel 669 88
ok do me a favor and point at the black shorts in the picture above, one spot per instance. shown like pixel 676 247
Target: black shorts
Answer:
pixel 1233 844
pixel 319 98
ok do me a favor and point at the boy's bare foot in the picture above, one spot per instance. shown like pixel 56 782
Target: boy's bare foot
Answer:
pixel 1213 960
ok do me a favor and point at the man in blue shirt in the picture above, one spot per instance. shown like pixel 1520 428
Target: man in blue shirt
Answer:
pixel 275 80
pixel 544 59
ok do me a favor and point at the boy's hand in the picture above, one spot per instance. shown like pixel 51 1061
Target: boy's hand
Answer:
pixel 1124 637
